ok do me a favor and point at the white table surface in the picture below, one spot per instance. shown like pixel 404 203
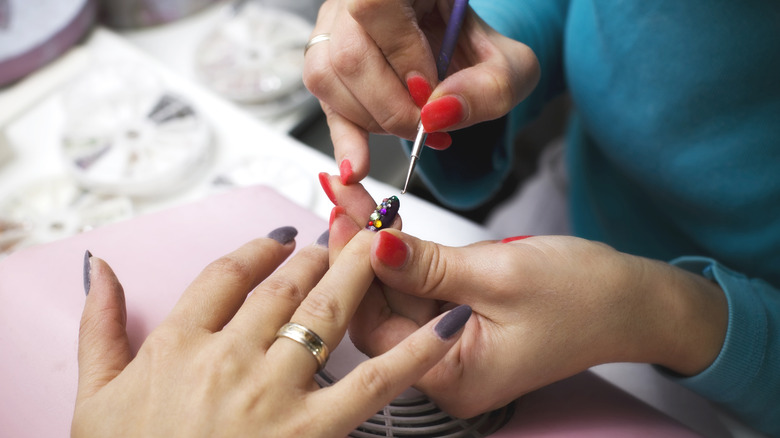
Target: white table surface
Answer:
pixel 32 105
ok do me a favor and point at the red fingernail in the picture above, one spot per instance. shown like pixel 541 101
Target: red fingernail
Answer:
pixel 441 113
pixel 419 89
pixel 439 140
pixel 391 250
pixel 334 213
pixel 345 171
pixel 325 183
pixel 512 239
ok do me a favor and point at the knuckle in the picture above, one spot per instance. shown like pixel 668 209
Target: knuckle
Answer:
pixel 374 380
pixel 360 10
pixel 162 343
pixel 324 308
pixel 317 77
pixel 230 267
pixel 283 287
pixel 436 265
pixel 348 58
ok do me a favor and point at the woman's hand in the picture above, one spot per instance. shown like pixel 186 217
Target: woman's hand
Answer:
pixel 214 366
pixel 378 69
pixel 545 308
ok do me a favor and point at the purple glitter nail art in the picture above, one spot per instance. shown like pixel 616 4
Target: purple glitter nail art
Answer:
pixel 384 215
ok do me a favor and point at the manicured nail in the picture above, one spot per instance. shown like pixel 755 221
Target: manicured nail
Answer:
pixel 345 171
pixel 441 113
pixel 512 239
pixel 325 183
pixel 452 322
pixel 439 140
pixel 391 250
pixel 384 214
pixel 419 89
pixel 323 239
pixel 87 271
pixel 334 213
pixel 283 235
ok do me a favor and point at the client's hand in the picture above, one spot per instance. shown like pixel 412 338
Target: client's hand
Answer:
pixel 215 366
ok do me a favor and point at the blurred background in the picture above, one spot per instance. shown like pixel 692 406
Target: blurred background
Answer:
pixel 102 112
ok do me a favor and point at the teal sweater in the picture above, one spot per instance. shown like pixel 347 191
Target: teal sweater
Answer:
pixel 673 153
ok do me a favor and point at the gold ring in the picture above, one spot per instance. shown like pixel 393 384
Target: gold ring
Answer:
pixel 308 339
pixel 316 39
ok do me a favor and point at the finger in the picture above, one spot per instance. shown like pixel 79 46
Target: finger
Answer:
pixel 361 65
pixel 350 146
pixel 273 302
pixel 376 382
pixel 430 270
pixel 219 290
pixel 104 348
pixel 376 326
pixel 328 307
pixel 393 26
pixel 498 74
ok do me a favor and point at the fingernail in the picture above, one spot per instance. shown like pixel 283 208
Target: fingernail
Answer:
pixel 384 214
pixel 323 239
pixel 345 171
pixel 439 140
pixel 452 322
pixel 391 250
pixel 441 113
pixel 334 213
pixel 419 89
pixel 512 239
pixel 87 271
pixel 325 183
pixel 283 235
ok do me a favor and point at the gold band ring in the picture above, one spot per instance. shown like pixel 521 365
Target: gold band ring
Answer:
pixel 316 39
pixel 308 339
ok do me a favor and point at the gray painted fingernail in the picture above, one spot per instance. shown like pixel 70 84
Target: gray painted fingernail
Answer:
pixel 323 239
pixel 87 270
pixel 283 235
pixel 452 322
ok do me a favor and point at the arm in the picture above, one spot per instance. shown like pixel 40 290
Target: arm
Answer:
pixel 745 376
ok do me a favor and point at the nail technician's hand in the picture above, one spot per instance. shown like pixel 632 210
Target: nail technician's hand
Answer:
pixel 215 368
pixel 378 68
pixel 545 308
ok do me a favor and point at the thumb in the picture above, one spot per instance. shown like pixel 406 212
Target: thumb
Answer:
pixel 104 348
pixel 430 270
pixel 496 75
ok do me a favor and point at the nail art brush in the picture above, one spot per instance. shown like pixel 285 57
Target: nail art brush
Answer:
pixel 442 64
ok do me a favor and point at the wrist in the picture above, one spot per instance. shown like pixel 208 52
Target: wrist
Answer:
pixel 687 317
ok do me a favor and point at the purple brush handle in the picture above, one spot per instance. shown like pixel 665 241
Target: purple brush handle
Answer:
pixel 451 37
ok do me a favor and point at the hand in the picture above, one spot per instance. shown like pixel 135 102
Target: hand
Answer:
pixel 378 67
pixel 214 368
pixel 545 308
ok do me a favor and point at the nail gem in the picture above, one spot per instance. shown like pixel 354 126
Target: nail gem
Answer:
pixel 384 214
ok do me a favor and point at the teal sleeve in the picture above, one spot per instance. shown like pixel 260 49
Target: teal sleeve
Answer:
pixel 473 169
pixel 745 377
